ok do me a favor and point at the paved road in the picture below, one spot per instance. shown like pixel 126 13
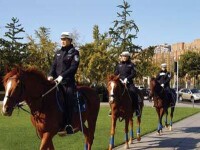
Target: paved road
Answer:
pixel 185 135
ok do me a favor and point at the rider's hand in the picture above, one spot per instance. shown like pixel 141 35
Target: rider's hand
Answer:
pixel 162 85
pixel 50 78
pixel 58 79
pixel 125 81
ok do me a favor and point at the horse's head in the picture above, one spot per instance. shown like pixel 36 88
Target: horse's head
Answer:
pixel 13 91
pixel 114 88
pixel 155 87
pixel 152 87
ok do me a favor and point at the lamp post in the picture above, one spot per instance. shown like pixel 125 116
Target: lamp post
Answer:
pixel 177 95
pixel 176 69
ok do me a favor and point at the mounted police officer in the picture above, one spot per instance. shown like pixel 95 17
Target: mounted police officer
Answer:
pixel 164 78
pixel 126 71
pixel 63 70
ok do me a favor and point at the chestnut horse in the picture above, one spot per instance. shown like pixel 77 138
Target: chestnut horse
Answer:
pixel 161 104
pixel 31 86
pixel 121 107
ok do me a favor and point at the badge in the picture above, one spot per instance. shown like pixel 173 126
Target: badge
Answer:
pixel 162 74
pixel 76 58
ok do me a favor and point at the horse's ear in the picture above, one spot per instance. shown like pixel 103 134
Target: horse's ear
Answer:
pixel 110 77
pixel 117 77
pixel 7 69
pixel 19 69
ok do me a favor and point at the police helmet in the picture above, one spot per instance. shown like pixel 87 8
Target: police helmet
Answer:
pixel 125 53
pixel 164 65
pixel 67 35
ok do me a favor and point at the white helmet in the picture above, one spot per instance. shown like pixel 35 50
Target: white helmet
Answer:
pixel 125 53
pixel 164 65
pixel 66 35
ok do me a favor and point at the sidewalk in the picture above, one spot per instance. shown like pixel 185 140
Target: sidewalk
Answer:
pixel 185 136
pixel 179 104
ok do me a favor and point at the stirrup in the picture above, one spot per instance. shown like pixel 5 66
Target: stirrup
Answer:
pixel 69 129
pixel 62 132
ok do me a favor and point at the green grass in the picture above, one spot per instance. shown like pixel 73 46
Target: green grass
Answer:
pixel 17 132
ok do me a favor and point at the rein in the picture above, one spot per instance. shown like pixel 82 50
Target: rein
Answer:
pixel 126 88
pixel 20 105
pixel 56 85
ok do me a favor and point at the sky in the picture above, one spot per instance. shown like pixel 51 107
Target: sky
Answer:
pixel 159 21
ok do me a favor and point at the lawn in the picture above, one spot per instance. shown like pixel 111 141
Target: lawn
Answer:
pixel 18 133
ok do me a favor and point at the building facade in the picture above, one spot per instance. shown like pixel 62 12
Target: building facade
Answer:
pixel 171 53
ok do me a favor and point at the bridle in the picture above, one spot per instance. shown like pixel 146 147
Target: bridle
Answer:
pixel 115 98
pixel 21 87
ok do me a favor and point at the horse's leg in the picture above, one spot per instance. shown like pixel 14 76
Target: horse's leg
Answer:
pixel 88 144
pixel 131 130
pixel 46 142
pixel 126 133
pixel 112 132
pixel 91 129
pixel 166 115
pixel 138 128
pixel 160 115
pixel 171 117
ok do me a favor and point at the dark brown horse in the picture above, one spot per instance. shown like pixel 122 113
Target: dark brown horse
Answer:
pixel 121 107
pixel 161 103
pixel 31 86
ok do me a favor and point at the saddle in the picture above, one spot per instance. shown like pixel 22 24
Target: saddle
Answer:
pixel 79 100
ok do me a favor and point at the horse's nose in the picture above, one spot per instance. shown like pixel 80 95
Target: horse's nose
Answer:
pixel 6 111
pixel 111 99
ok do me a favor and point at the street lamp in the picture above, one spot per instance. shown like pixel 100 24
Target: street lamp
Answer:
pixel 176 69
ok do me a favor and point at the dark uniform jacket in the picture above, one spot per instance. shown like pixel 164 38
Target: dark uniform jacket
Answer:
pixel 126 70
pixel 65 64
pixel 164 77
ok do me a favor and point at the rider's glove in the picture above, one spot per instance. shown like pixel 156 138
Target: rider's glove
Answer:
pixel 58 79
pixel 162 85
pixel 125 81
pixel 50 78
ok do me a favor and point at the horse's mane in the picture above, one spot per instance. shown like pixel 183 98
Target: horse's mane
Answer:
pixel 20 71
pixel 36 72
pixel 13 72
pixel 113 78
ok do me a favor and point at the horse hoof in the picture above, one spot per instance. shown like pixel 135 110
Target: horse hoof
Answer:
pixel 130 141
pixel 110 148
pixel 170 128
pixel 138 138
pixel 126 146
pixel 158 133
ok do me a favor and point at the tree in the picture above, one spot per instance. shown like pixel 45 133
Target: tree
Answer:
pixel 144 63
pixel 124 31
pixel 14 52
pixel 95 60
pixel 41 49
pixel 189 65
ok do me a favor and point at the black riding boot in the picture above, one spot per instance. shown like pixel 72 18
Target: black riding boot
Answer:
pixel 68 112
pixel 135 104
pixel 68 127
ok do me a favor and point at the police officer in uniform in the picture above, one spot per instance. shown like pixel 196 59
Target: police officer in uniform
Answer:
pixel 126 71
pixel 63 70
pixel 164 78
